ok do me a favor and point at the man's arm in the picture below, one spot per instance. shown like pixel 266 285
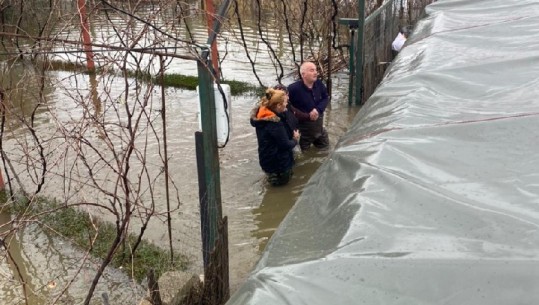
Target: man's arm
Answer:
pixel 323 102
pixel 300 115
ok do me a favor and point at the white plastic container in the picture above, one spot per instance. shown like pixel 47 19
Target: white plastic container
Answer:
pixel 222 115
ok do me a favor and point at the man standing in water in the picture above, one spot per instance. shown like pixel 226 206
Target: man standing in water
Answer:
pixel 310 95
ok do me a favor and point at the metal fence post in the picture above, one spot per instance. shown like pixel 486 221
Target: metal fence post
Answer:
pixel 351 68
pixel 359 50
pixel 209 142
pixel 352 24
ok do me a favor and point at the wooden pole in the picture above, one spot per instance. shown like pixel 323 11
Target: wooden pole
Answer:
pixel 210 16
pixel 2 184
pixel 85 33
pixel 167 190
pixel 2 111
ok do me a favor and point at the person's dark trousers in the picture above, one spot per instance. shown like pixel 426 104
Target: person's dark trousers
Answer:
pixel 278 179
pixel 313 132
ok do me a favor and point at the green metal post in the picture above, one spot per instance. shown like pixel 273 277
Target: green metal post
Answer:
pixel 209 141
pixel 352 25
pixel 352 68
pixel 359 56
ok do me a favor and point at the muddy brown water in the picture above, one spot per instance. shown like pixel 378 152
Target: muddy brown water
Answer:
pixel 255 210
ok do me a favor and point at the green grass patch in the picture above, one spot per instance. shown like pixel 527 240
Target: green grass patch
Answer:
pixel 191 82
pixel 57 65
pixel 77 227
pixel 170 80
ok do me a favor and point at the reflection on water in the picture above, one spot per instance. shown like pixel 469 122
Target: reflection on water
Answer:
pixel 278 201
pixel 49 265
pixel 21 83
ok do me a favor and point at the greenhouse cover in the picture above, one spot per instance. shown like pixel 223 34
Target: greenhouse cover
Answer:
pixel 432 196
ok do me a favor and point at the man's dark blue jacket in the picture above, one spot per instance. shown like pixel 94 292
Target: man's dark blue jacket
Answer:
pixel 305 99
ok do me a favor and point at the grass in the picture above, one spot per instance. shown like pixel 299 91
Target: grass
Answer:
pixel 170 80
pixel 76 226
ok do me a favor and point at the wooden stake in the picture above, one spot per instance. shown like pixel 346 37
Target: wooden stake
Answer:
pixel 210 14
pixel 85 32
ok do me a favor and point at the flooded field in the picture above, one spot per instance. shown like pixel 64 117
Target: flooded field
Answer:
pixel 254 209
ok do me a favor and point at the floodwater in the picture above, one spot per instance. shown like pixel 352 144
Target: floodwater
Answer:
pixel 254 209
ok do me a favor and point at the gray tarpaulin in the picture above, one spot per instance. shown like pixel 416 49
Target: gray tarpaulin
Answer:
pixel 432 196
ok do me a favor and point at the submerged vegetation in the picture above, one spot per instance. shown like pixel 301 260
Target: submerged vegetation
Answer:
pixel 170 79
pixel 134 257
pixel 191 82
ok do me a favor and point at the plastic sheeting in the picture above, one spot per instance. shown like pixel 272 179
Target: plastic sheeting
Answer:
pixel 431 197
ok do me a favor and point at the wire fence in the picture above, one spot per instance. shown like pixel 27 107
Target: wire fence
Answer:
pixel 381 27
